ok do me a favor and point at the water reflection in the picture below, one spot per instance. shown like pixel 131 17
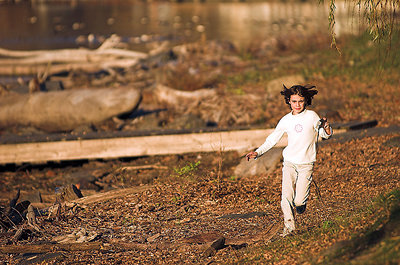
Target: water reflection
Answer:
pixel 43 25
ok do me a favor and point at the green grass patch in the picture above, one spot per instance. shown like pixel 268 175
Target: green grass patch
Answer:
pixel 237 81
pixel 360 59
pixel 188 170
pixel 376 242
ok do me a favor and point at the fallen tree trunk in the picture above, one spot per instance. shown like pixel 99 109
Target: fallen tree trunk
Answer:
pixel 109 148
pixel 33 69
pixel 66 110
pixel 108 48
pixel 45 248
pixel 73 56
pixel 32 62
pixel 173 96
pixel 112 194
pixel 88 246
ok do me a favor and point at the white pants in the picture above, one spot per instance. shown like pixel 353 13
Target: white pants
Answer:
pixel 296 183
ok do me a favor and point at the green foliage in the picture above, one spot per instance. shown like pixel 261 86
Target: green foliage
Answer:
pixel 380 17
pixel 187 170
pixel 332 21
pixel 260 200
pixel 233 178
pixel 128 220
pixel 235 82
pixel 245 55
pixel 361 59
pixel 328 226
pixel 176 198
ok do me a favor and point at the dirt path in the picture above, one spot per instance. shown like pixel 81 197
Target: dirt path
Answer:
pixel 199 217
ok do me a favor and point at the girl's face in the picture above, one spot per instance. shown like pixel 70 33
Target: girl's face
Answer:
pixel 297 104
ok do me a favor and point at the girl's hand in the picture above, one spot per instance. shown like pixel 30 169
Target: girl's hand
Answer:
pixel 250 155
pixel 326 125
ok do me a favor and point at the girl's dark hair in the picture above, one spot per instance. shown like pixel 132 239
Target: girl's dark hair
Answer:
pixel 303 91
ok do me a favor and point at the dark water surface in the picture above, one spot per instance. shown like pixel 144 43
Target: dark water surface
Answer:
pixel 67 24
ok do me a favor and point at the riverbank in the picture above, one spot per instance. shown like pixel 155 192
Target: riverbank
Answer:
pixel 192 201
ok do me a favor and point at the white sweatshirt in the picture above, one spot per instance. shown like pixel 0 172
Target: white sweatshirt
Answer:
pixel 302 131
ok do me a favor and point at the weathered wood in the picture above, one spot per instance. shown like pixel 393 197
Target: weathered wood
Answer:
pixel 44 248
pixel 215 246
pixel 264 235
pixel 264 165
pixel 142 167
pixel 104 196
pixel 39 152
pixel 66 110
pixel 73 56
pixel 107 56
pixel 134 146
pixel 33 69
pixel 68 193
pixel 174 96
pixel 109 48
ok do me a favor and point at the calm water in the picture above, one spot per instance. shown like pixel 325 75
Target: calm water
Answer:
pixel 66 24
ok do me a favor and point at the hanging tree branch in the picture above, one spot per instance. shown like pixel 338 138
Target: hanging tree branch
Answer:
pixel 379 15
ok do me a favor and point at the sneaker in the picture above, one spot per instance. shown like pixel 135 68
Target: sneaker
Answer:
pixel 286 232
pixel 301 209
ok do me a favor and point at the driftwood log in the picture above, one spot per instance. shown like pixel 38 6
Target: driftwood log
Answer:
pixel 66 110
pixel 172 96
pixel 45 248
pixel 107 56
pixel 109 148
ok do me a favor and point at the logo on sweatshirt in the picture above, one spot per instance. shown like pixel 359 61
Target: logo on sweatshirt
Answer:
pixel 298 128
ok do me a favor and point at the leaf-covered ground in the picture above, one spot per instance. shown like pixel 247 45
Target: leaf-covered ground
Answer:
pixel 172 221
pixel 190 201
